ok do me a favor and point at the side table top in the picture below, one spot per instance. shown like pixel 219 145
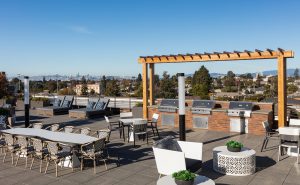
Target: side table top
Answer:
pixel 199 180
pixel 245 152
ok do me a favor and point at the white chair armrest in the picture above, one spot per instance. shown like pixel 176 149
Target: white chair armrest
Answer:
pixel 168 161
pixel 191 150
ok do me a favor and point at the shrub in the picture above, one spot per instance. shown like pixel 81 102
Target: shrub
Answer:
pixel 139 104
pixel 234 144
pixel 46 100
pixel 184 175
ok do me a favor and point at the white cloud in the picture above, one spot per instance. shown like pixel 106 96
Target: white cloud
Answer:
pixel 80 29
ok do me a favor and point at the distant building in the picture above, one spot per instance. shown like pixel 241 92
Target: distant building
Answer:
pixel 95 87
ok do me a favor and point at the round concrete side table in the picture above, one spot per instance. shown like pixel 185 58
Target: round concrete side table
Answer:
pixel 234 163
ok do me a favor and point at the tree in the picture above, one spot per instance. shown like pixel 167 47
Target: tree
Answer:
pixel 258 80
pixel 113 88
pixel 229 82
pixel 84 87
pixel 66 91
pixel 201 83
pixel 3 85
pixel 291 88
pixel 167 87
pixel 92 92
pixel 103 85
pixel 51 85
pixel 296 73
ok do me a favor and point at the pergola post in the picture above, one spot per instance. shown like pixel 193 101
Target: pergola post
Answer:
pixel 151 84
pixel 282 102
pixel 145 90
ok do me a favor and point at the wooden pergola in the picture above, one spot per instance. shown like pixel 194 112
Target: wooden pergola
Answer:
pixel 280 54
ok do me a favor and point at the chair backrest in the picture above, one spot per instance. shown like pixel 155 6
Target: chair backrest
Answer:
pixel 85 131
pixel 37 144
pixel 126 115
pixel 9 139
pixel 168 161
pixel 54 127
pixel 104 133
pixel 294 122
pixel 140 126
pixel 266 126
pixel 37 125
pixel 94 147
pixel 289 134
pixel 155 117
pixel 68 101
pixel 53 147
pixel 22 141
pixel 3 122
pixel 69 129
pixel 58 101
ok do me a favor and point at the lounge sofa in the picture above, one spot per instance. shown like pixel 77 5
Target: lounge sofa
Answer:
pixel 172 155
pixel 61 105
pixel 93 108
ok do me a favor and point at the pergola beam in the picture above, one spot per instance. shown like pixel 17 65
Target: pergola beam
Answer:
pixel 225 56
pixel 281 55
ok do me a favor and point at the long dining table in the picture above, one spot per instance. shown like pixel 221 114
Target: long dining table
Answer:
pixel 61 137
pixel 70 139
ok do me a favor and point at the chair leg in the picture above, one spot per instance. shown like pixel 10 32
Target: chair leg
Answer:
pixel 12 158
pixel 267 140
pixel 41 164
pixel 298 155
pixel 81 164
pixel 152 129
pixel 279 153
pixel 157 132
pixel 147 138
pixel 105 163
pixel 56 168
pixel 123 130
pixel 46 169
pixel 94 166
pixel 4 157
pixel 133 139
pixel 26 161
pixel 17 158
pixel 263 145
pixel 31 163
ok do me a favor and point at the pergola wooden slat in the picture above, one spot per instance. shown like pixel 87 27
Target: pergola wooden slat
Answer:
pixel 280 54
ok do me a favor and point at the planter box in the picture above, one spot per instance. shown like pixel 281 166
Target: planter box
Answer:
pixel 33 104
pixel 137 112
pixel 38 104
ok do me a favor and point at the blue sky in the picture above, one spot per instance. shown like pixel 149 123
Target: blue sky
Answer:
pixel 107 37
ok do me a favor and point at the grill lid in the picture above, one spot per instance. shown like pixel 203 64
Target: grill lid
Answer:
pixel 241 105
pixel 205 104
pixel 169 103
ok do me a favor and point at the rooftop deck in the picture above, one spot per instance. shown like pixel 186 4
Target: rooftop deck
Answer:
pixel 138 164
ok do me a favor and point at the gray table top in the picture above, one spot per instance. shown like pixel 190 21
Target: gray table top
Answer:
pixel 127 121
pixel 68 138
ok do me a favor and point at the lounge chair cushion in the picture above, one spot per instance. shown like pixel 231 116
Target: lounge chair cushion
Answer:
pixel 90 104
pixel 66 104
pixel 100 105
pixel 57 103
pixel 168 143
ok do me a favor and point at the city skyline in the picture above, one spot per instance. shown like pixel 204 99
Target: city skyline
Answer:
pixel 106 38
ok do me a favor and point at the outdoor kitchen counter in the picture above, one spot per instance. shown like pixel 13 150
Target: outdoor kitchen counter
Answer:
pixel 261 112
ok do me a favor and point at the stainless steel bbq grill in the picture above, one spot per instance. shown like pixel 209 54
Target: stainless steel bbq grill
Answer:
pixel 240 109
pixel 168 105
pixel 203 106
